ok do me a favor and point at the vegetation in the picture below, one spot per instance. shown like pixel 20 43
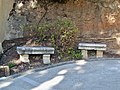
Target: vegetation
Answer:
pixel 62 35
pixel 11 65
pixel 75 54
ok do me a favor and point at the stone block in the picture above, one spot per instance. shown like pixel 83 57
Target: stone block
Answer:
pixel 24 58
pixel 99 54
pixel 46 59
pixel 84 54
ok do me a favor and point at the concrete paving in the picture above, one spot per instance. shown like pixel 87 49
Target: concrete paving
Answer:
pixel 82 75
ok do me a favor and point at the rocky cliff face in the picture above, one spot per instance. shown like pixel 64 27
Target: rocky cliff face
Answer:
pixel 5 7
pixel 97 20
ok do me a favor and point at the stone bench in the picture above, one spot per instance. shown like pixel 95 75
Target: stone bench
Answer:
pixel 86 47
pixel 25 51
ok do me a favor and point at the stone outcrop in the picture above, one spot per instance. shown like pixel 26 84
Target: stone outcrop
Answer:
pixel 97 20
pixel 5 7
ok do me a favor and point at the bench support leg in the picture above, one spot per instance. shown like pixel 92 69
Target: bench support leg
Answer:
pixel 99 54
pixel 7 71
pixel 46 59
pixel 84 54
pixel 24 58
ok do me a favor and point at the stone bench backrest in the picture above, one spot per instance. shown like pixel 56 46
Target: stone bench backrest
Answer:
pixel 92 46
pixel 35 50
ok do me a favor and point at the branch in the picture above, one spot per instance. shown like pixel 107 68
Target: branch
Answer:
pixel 4 52
pixel 41 18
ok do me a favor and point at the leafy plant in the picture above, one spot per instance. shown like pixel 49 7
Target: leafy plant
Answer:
pixel 11 65
pixel 75 54
pixel 62 34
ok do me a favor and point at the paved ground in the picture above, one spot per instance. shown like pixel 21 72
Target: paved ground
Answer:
pixel 82 75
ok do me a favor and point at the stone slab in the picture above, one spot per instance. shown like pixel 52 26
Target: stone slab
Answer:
pixel 92 46
pixel 35 50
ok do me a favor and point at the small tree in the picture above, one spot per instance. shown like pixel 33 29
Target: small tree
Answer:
pixel 62 34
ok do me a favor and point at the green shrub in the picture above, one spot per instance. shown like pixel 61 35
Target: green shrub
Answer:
pixel 75 54
pixel 61 34
pixel 11 65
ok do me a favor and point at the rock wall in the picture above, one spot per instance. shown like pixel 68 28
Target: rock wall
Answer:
pixel 5 7
pixel 97 20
